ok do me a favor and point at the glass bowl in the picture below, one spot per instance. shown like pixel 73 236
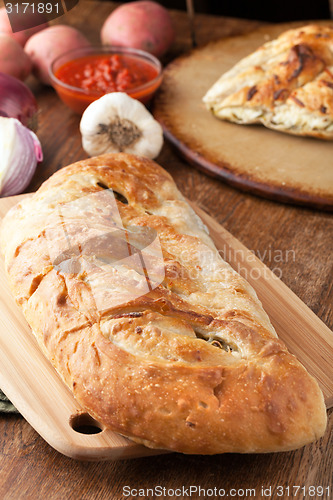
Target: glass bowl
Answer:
pixel 77 98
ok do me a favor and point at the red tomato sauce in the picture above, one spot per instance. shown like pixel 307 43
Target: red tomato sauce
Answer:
pixel 101 73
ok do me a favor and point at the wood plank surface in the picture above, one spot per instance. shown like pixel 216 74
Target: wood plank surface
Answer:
pixel 43 399
pixel 295 242
pixel 262 161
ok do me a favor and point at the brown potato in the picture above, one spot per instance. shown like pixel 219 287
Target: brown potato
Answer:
pixel 20 36
pixel 44 47
pixel 142 25
pixel 13 60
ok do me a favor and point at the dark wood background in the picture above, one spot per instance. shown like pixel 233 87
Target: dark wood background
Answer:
pixel 272 11
pixel 303 238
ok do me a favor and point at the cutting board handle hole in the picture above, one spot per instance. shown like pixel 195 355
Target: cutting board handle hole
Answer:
pixel 85 424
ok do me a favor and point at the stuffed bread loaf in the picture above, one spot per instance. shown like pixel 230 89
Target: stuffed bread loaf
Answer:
pixel 193 364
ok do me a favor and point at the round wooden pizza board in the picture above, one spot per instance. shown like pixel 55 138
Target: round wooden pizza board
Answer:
pixel 265 162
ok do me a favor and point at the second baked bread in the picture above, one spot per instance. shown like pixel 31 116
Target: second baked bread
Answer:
pixel 287 85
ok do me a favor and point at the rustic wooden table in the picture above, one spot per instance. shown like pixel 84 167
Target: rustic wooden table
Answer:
pixel 297 242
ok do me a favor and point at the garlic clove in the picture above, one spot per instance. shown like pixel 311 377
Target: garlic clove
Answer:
pixel 117 123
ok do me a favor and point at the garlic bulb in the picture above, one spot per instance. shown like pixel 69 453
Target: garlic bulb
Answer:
pixel 20 152
pixel 117 123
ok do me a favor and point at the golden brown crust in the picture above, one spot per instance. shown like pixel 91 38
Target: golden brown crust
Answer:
pixel 147 368
pixel 287 84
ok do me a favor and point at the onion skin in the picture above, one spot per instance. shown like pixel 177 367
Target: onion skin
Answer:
pixel 17 101
pixel 26 152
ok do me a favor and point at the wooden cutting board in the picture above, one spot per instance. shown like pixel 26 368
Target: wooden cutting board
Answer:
pixel 264 162
pixel 38 392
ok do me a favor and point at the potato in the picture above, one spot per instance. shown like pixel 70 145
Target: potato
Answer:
pixel 143 25
pixel 20 36
pixel 44 47
pixel 13 60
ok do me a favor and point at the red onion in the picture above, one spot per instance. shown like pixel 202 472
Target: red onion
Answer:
pixel 21 151
pixel 17 101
